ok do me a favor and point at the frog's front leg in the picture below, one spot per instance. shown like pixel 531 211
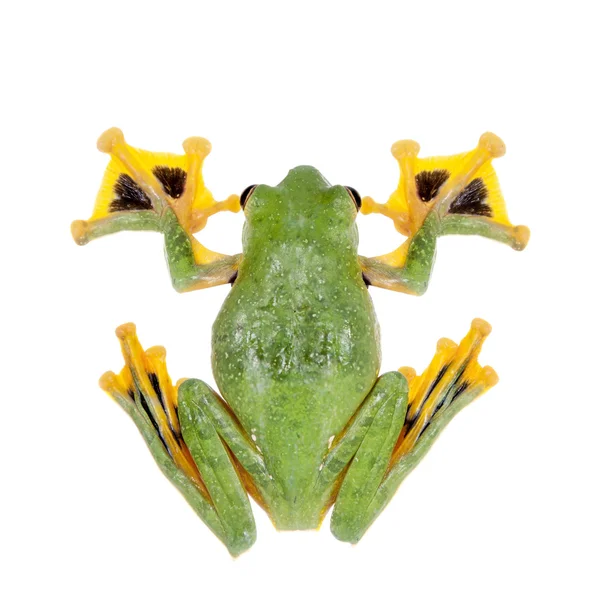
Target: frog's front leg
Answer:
pixel 437 196
pixel 196 441
pixel 162 192
pixel 394 429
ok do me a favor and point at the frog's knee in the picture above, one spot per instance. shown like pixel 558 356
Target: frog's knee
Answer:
pixel 193 392
pixel 345 531
pixel 392 383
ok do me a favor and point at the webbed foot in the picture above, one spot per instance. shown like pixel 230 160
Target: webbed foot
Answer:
pixel 158 191
pixel 394 429
pixel 452 380
pixel 460 192
pixel 191 448
pixel 138 187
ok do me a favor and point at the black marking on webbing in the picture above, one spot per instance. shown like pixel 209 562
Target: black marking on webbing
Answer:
pixel 435 382
pixel 432 387
pixel 429 183
pixel 460 373
pixel 424 428
pixel 146 409
pixel 472 200
pixel 159 393
pixel 128 195
pixel 233 278
pixel 445 400
pixel 156 386
pixel 172 179
pixel 459 390
pixel 366 280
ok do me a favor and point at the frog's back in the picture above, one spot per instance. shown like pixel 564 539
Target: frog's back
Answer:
pixel 296 346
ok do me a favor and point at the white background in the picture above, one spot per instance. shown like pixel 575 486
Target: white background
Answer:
pixel 506 503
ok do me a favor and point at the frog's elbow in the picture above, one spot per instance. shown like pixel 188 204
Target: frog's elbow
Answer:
pixel 418 289
pixel 179 285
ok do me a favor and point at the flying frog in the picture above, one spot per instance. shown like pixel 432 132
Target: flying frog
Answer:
pixel 303 421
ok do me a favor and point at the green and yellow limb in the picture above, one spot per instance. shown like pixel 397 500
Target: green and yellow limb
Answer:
pixel 435 196
pixel 453 371
pixel 394 429
pixel 150 191
pixel 196 442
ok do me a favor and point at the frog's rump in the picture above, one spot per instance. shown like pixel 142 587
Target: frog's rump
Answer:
pixel 311 365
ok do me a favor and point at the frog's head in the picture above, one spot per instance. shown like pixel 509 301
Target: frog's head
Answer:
pixel 303 203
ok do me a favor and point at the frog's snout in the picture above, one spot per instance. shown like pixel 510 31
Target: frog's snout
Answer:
pixel 306 178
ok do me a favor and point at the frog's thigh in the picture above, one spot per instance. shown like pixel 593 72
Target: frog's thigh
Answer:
pixel 453 379
pixel 198 462
pixel 351 513
pixel 256 478
pixel 215 465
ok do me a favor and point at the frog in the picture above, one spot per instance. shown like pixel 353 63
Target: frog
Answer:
pixel 302 422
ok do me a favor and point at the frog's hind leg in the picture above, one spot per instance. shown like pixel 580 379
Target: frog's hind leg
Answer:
pixel 202 411
pixel 190 449
pixel 378 464
pixel 360 456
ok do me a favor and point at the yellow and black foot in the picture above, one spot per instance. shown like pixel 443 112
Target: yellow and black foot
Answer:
pixel 144 387
pixel 140 186
pixel 396 426
pixel 157 191
pixel 462 189
pixel 188 431
pixel 453 379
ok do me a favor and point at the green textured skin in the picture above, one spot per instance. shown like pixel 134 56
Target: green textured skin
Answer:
pixel 296 344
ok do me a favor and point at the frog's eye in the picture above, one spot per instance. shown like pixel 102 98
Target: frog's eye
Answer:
pixel 355 196
pixel 246 195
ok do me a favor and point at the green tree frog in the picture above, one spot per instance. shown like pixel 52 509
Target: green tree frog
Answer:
pixel 303 420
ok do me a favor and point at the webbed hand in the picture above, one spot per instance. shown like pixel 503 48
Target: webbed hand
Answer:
pixel 437 196
pixel 163 192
